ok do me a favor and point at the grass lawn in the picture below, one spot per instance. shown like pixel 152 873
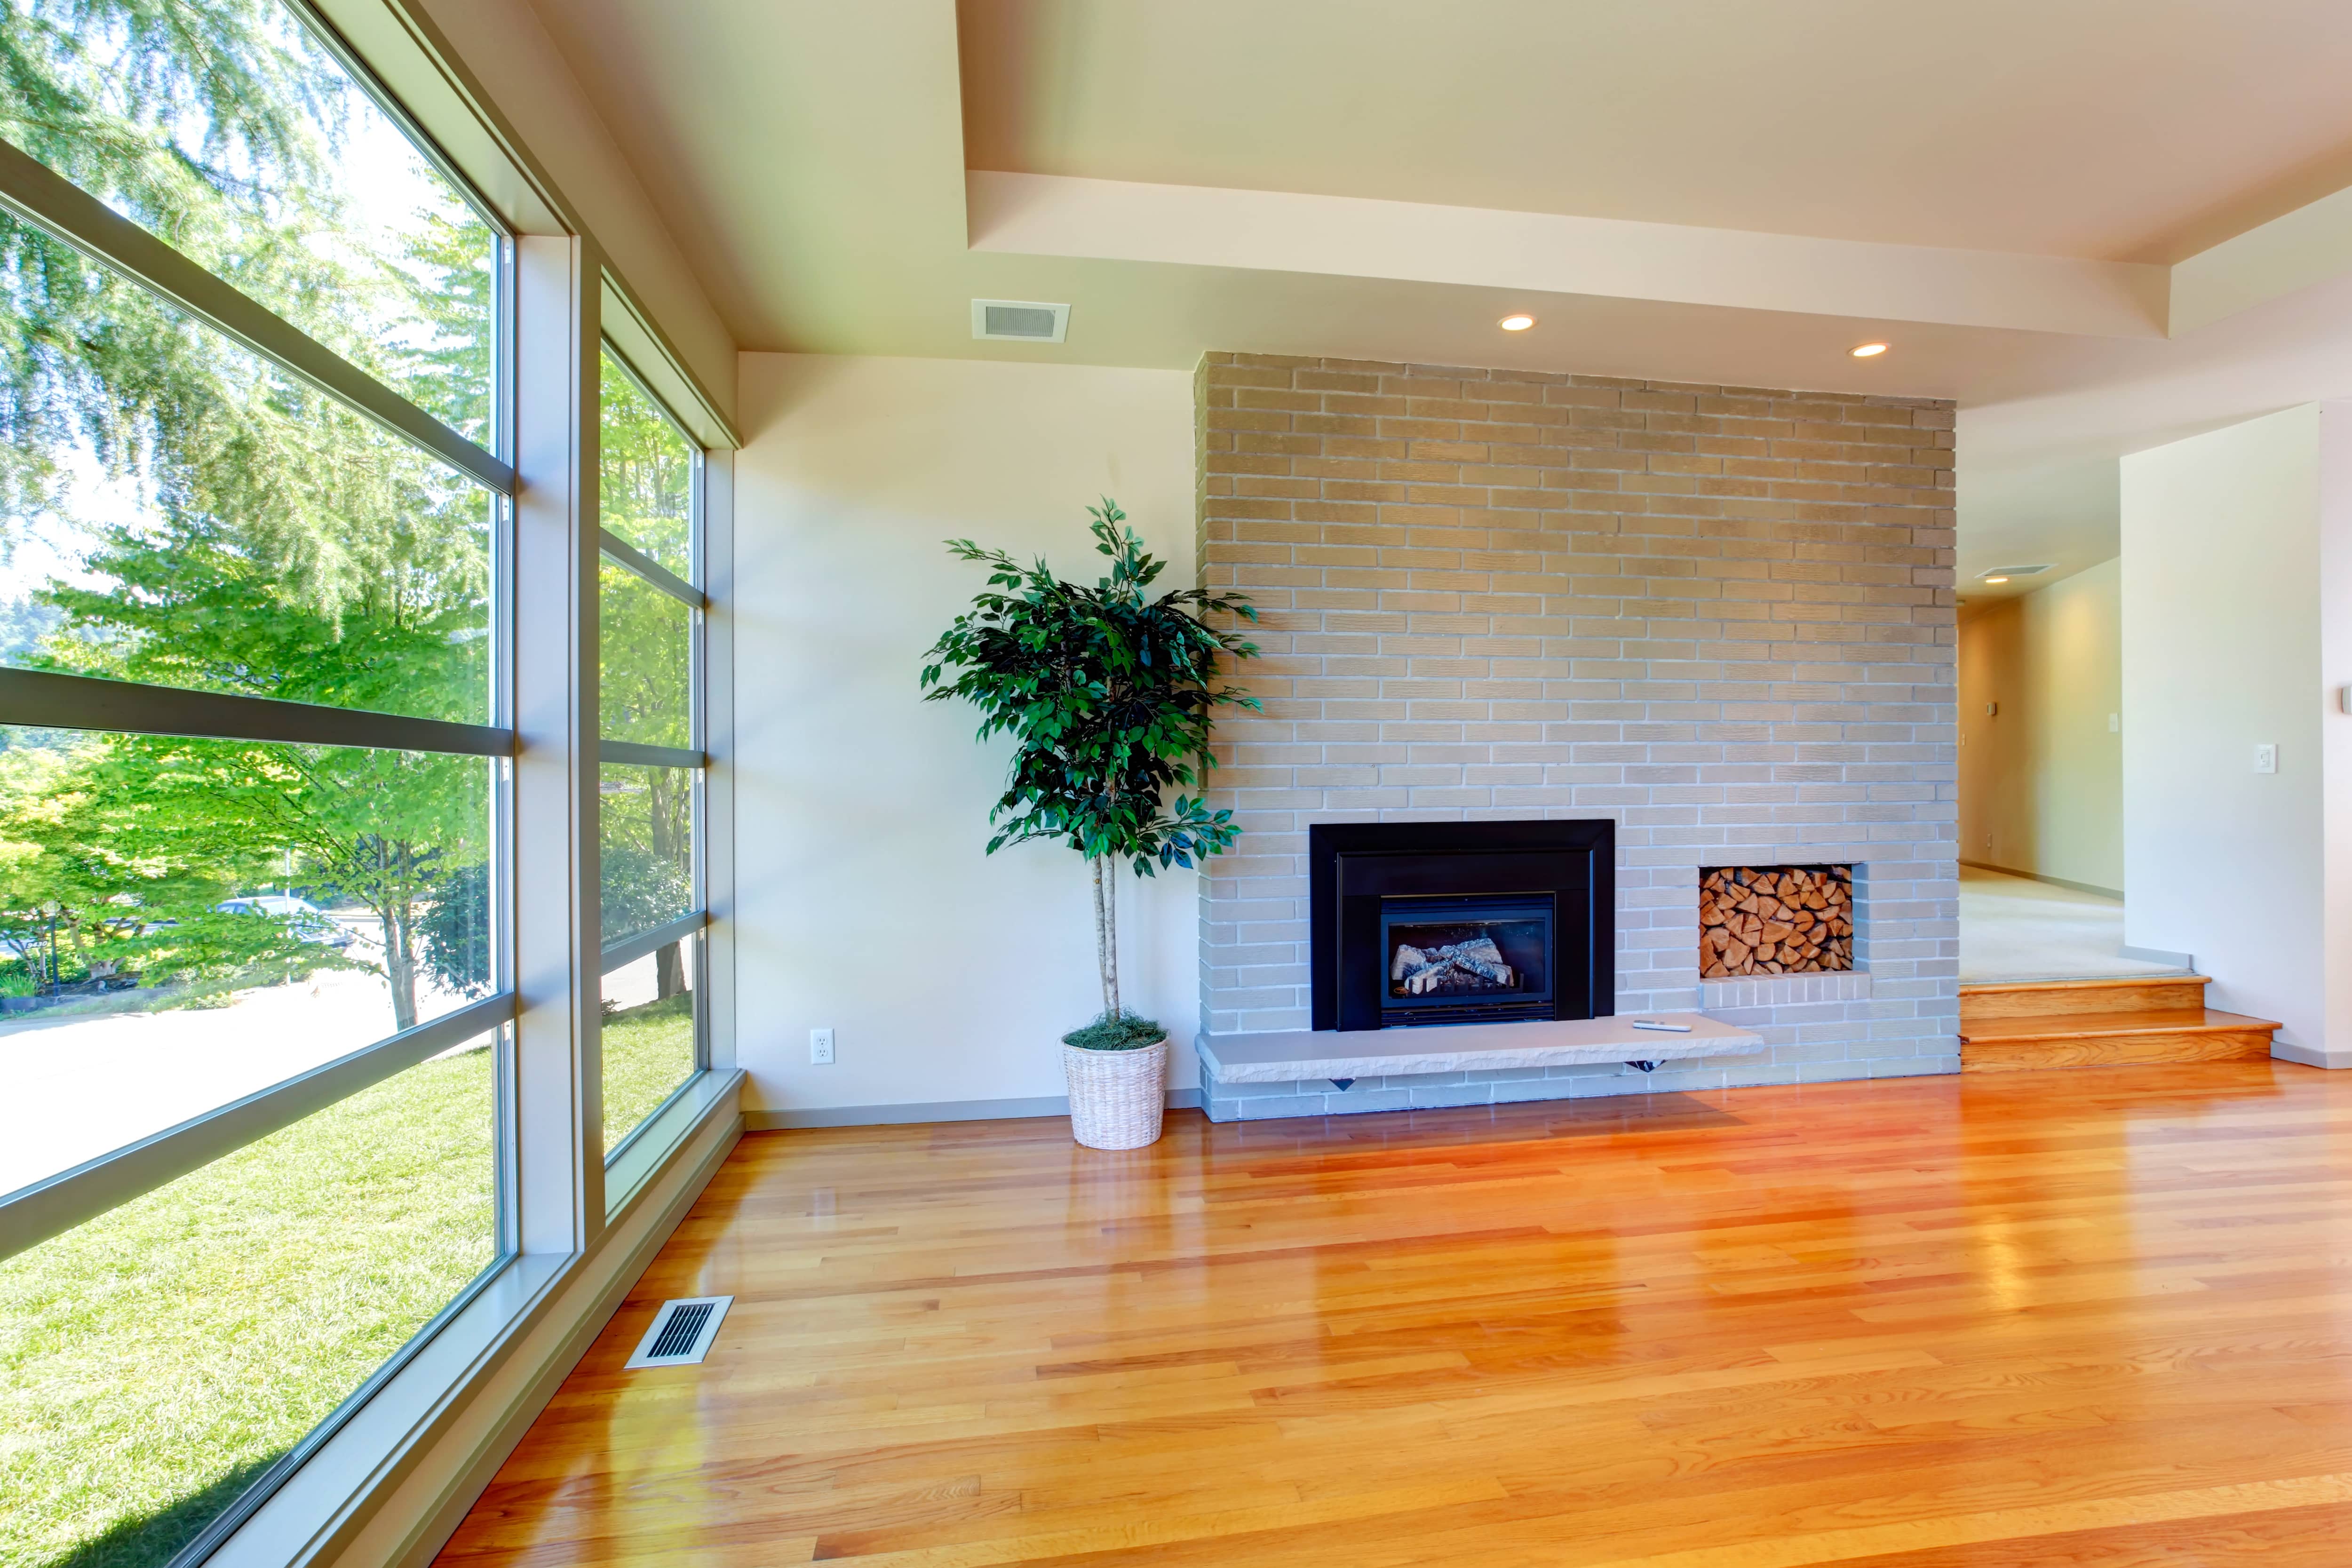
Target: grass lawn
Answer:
pixel 649 1052
pixel 156 1359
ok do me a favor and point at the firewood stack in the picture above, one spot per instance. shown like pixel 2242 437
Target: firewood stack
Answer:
pixel 1775 920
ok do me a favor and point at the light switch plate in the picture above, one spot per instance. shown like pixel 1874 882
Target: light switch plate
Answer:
pixel 2114 723
pixel 2267 759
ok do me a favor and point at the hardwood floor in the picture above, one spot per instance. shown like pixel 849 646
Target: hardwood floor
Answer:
pixel 2145 1021
pixel 2090 1319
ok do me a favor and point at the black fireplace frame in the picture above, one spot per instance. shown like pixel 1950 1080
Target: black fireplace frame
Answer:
pixel 1351 865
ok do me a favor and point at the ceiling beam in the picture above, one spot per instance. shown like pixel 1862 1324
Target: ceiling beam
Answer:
pixel 2290 253
pixel 1545 253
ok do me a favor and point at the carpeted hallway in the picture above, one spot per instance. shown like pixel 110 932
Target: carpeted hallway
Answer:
pixel 2013 928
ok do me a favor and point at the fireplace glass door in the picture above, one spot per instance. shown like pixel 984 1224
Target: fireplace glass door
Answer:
pixel 1449 960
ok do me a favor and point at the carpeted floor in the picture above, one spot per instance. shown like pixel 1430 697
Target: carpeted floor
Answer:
pixel 2013 928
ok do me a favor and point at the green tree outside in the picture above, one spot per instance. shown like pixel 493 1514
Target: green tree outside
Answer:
pixel 283 547
pixel 644 639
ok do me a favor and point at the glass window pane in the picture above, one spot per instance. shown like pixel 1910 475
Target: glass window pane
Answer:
pixel 207 918
pixel 645 474
pixel 650 1013
pixel 176 511
pixel 230 132
pixel 162 1356
pixel 645 657
pixel 647 820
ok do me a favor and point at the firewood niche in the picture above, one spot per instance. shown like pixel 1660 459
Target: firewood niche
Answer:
pixel 1774 919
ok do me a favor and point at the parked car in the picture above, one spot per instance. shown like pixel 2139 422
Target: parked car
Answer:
pixel 304 918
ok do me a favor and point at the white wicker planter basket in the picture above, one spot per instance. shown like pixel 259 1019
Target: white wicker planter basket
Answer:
pixel 1116 1097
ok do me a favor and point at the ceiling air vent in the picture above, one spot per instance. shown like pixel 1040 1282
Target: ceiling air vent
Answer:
pixel 1020 320
pixel 2016 571
pixel 682 1331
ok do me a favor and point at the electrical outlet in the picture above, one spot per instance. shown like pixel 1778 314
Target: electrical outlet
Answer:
pixel 821 1047
pixel 2114 723
pixel 2266 759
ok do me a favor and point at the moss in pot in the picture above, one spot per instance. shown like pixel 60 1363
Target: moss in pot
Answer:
pixel 1123 1031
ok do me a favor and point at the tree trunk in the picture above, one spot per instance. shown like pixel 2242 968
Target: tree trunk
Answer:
pixel 669 835
pixel 1107 933
pixel 400 968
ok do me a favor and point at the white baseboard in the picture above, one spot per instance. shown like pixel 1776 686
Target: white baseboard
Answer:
pixel 2068 882
pixel 932 1110
pixel 2310 1058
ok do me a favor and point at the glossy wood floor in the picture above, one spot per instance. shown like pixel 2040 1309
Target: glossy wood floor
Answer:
pixel 2090 1317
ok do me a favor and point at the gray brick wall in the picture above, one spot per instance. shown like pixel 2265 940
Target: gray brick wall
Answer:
pixel 1721 616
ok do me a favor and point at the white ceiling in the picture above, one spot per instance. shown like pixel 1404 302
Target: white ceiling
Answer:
pixel 1681 189
pixel 2110 129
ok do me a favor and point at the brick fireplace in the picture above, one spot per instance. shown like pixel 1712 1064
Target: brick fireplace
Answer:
pixel 1721 618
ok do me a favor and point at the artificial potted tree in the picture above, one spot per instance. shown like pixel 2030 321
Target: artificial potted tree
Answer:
pixel 1108 697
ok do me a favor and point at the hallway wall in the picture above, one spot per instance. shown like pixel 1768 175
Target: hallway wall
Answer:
pixel 2041 782
pixel 2237 544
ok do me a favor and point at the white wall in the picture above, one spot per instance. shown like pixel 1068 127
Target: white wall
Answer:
pixel 2226 567
pixel 2333 582
pixel 2041 781
pixel 865 902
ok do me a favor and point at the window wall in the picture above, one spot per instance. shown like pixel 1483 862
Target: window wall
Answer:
pixel 649 638
pixel 277 891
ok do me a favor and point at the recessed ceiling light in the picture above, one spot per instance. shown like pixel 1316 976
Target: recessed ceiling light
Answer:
pixel 1996 579
pixel 1518 323
pixel 1867 351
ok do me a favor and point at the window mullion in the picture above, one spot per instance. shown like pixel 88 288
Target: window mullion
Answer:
pixel 57 1204
pixel 622 553
pixel 628 950
pixel 560 1168
pixel 48 699
pixel 58 206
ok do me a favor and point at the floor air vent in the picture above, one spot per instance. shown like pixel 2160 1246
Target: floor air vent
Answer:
pixel 682 1331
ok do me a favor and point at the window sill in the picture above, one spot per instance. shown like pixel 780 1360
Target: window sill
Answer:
pixel 397 1477
pixel 646 1151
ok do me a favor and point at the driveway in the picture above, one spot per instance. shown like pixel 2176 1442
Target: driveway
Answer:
pixel 74 1087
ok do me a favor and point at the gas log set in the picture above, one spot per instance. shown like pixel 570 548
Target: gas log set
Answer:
pixel 1775 920
pixel 1475 964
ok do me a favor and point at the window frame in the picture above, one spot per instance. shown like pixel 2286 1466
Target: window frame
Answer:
pixel 411 1440
pixel 694 757
pixel 31 192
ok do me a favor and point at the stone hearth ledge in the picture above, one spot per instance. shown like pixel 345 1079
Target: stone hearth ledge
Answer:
pixel 1298 1054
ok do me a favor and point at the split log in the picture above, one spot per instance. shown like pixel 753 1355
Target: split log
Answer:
pixel 1782 920
pixel 1461 963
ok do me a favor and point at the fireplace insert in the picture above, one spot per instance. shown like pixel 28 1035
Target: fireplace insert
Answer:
pixel 1461 922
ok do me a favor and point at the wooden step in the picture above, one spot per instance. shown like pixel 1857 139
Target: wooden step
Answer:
pixel 2129 1038
pixel 2041 998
